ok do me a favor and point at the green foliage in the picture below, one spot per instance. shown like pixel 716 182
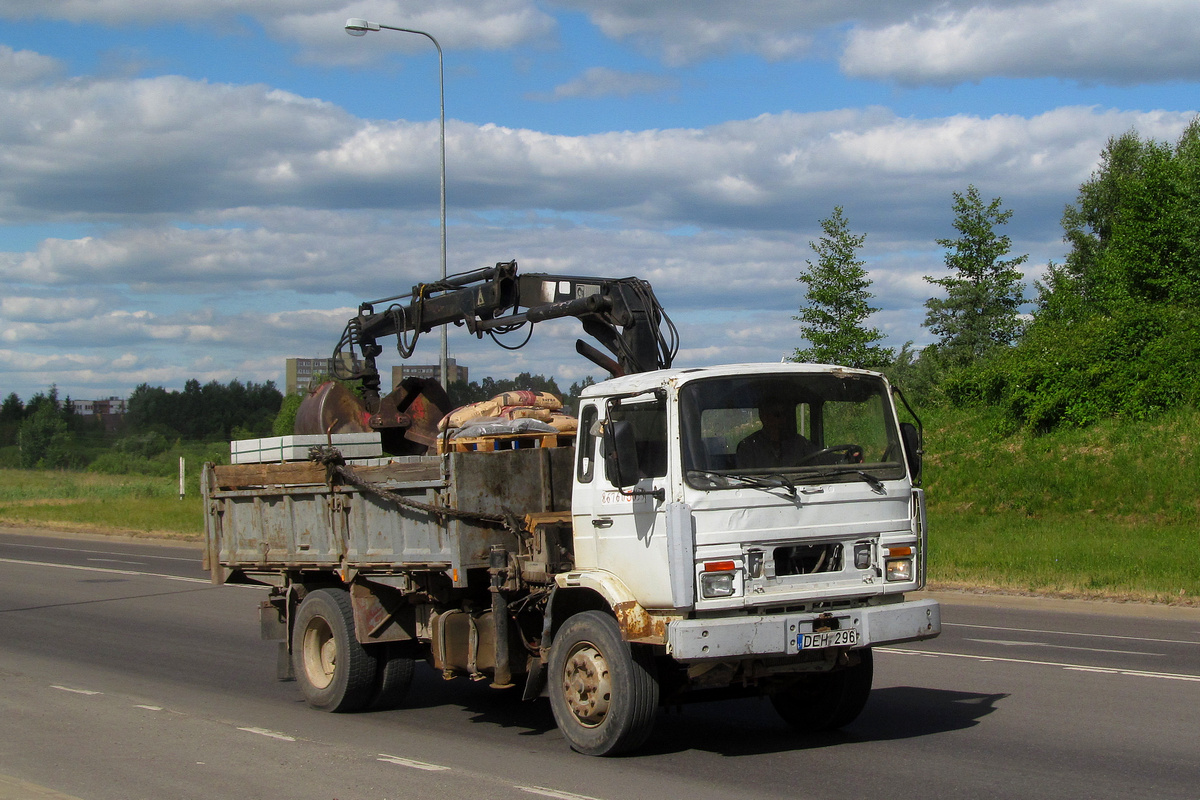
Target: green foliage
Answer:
pixel 837 295
pixel 1117 326
pixel 44 439
pixel 210 411
pixel 983 291
pixel 1136 363
pixel 285 421
pixel 142 445
pixel 1134 229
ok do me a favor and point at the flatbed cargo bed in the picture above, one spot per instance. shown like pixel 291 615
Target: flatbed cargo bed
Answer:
pixel 264 519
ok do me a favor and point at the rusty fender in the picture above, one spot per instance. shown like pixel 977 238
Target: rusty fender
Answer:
pixel 636 623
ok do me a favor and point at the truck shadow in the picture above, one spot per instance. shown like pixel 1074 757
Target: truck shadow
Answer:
pixel 751 727
pixel 728 728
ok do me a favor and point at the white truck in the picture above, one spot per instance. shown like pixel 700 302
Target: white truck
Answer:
pixel 660 559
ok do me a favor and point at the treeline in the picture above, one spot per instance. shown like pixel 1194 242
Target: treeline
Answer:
pixel 233 410
pixel 462 393
pixel 1114 330
pixel 46 433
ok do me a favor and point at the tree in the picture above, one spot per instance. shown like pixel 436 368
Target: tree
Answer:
pixel 44 439
pixel 983 291
pixel 1134 229
pixel 837 295
pixel 13 410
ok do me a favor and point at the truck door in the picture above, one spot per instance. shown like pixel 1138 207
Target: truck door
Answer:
pixel 629 526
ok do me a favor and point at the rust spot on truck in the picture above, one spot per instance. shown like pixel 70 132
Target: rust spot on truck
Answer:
pixel 639 626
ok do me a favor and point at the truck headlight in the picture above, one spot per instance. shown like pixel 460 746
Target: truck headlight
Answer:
pixel 719 579
pixel 716 584
pixel 900 562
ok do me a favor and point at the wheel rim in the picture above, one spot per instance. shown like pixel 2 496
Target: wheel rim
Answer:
pixel 320 653
pixel 587 684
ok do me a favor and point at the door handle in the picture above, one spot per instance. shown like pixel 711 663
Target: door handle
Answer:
pixel 602 522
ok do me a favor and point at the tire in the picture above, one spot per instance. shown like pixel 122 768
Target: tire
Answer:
pixel 334 671
pixel 393 676
pixel 604 693
pixel 827 701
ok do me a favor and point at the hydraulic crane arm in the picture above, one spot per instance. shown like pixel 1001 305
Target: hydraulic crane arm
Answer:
pixel 622 314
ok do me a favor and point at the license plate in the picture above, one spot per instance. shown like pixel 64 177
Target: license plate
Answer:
pixel 815 641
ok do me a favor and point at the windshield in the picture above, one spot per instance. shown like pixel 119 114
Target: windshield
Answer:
pixel 797 428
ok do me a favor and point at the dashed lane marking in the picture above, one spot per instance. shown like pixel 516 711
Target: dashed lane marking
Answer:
pixel 544 792
pixel 73 691
pixel 1070 633
pixel 1136 673
pixel 283 737
pixel 408 762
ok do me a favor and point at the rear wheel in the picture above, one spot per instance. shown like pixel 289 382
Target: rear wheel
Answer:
pixel 394 674
pixel 827 701
pixel 334 671
pixel 603 692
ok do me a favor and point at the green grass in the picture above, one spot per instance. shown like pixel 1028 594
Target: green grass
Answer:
pixel 131 504
pixel 1108 511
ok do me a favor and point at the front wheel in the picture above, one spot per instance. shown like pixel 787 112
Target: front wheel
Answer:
pixel 603 692
pixel 333 669
pixel 827 701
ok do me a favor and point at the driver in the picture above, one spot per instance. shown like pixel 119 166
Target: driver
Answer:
pixel 776 443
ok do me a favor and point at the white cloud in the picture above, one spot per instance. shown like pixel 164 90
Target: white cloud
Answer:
pixel 214 214
pixel 24 67
pixel 1111 41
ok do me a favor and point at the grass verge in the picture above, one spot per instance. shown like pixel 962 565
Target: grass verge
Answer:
pixel 84 501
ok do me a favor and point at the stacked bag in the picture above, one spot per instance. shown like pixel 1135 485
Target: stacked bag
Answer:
pixel 509 413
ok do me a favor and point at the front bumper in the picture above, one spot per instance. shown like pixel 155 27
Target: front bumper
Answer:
pixel 775 635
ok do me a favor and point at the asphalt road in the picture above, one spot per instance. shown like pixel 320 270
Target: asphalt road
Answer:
pixel 124 674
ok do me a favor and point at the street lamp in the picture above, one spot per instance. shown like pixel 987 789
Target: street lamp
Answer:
pixel 360 27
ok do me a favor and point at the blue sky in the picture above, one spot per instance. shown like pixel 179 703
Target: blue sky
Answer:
pixel 202 188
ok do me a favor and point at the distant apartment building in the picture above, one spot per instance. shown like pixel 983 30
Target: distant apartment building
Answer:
pixel 109 410
pixel 303 374
pixel 403 371
pixel 109 405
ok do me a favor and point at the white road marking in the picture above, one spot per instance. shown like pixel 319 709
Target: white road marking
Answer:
pixel 1070 633
pixel 408 762
pixel 73 691
pixel 118 561
pixel 283 737
pixel 553 793
pixel 111 571
pixel 94 552
pixel 1010 643
pixel 149 708
pixel 1074 667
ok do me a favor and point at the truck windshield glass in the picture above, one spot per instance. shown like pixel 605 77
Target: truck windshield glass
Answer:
pixel 794 428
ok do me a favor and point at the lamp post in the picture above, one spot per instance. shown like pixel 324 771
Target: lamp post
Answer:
pixel 360 27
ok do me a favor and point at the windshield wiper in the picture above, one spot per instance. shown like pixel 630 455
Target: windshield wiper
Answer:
pixel 764 482
pixel 875 484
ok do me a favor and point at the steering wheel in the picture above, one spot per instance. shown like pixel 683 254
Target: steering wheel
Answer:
pixel 851 453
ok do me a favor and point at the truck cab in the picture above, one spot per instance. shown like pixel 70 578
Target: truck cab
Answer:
pixel 759 525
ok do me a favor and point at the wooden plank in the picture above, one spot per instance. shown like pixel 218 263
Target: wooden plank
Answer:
pixel 309 472
pixel 236 475
pixel 404 472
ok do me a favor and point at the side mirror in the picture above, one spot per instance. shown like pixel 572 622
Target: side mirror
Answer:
pixel 620 454
pixel 912 449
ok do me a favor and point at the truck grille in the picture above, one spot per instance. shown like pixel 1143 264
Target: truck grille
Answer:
pixel 808 559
